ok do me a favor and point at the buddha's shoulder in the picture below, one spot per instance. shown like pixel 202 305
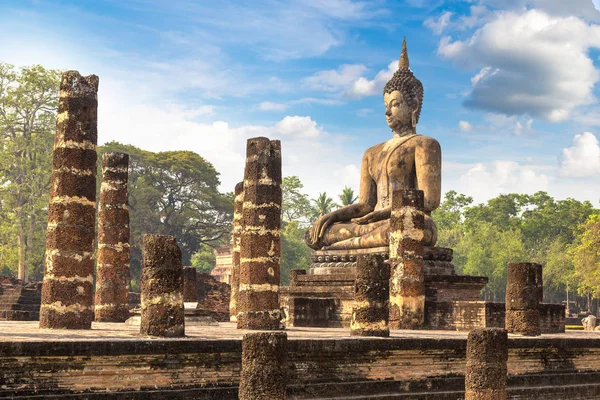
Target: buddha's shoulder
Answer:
pixel 417 141
pixel 426 141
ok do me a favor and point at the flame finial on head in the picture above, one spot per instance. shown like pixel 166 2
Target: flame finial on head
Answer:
pixel 403 63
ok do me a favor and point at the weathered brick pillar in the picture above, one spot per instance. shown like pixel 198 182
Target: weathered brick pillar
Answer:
pixel 539 281
pixel 68 291
pixel 238 205
pixel 407 283
pixel 522 299
pixel 486 371
pixel 112 273
pixel 258 293
pixel 162 286
pixel 264 371
pixel 190 285
pixel 371 307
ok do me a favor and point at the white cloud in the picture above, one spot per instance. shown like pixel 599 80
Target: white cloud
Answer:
pixel 582 158
pixel 300 127
pixel 530 63
pixel 514 124
pixel 465 126
pixel 364 112
pixel 271 106
pixel 334 80
pixel 486 180
pixel 363 87
pixel 438 26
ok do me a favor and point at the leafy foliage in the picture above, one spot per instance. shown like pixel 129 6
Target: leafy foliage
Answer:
pixel 28 103
pixel 175 193
pixel 347 197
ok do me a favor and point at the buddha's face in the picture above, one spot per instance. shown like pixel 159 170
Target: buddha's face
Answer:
pixel 398 113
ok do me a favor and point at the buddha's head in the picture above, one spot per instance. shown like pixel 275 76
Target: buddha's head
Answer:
pixel 403 96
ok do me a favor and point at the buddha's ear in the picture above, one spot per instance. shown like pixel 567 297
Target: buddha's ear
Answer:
pixel 414 114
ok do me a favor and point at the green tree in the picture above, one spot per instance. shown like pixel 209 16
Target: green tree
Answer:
pixel 485 250
pixel 175 193
pixel 450 213
pixel 322 205
pixel 295 205
pixel 28 103
pixel 204 259
pixel 586 258
pixel 295 254
pixel 347 197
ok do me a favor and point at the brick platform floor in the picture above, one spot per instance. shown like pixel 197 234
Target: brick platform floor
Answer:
pixel 28 331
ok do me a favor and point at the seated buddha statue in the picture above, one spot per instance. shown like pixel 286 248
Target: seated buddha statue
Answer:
pixel 406 161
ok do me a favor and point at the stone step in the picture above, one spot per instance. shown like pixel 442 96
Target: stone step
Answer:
pixel 16 315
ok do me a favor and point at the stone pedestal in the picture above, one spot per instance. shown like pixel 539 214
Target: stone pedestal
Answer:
pixel 162 286
pixel 522 299
pixel 264 370
pixel 112 273
pixel 238 205
pixel 258 291
pixel 486 370
pixel 371 308
pixel 68 291
pixel 190 285
pixel 407 284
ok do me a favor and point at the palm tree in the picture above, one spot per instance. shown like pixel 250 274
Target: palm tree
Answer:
pixel 323 204
pixel 347 197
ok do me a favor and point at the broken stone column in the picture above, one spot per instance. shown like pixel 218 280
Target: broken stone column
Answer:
pixel 162 287
pixel 112 273
pixel 407 283
pixel 589 323
pixel 238 205
pixel 371 307
pixel 68 291
pixel 522 299
pixel 486 370
pixel 539 281
pixel 190 285
pixel 258 292
pixel 264 371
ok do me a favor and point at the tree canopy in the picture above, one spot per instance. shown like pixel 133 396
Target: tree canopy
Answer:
pixel 175 193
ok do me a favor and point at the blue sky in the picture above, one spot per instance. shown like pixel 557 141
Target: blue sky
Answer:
pixel 510 85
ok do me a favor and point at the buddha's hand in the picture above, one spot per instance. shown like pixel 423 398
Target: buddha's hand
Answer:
pixel 373 216
pixel 317 231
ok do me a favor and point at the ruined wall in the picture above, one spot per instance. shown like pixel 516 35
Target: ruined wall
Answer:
pixel 213 297
pixel 539 368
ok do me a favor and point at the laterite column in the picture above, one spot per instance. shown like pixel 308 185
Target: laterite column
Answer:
pixel 258 293
pixel 264 371
pixel 486 371
pixel 238 203
pixel 522 299
pixel 112 273
pixel 407 286
pixel 190 285
pixel 68 288
pixel 162 286
pixel 371 307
